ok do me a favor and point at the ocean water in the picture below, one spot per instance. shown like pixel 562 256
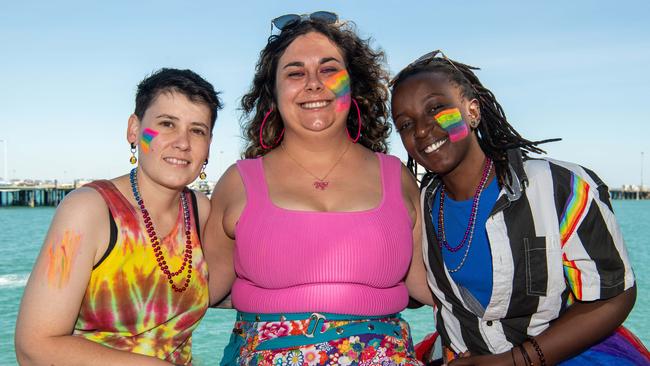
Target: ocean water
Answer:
pixel 22 231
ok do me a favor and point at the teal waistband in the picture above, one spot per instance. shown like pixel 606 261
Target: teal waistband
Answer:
pixel 278 317
pixel 314 333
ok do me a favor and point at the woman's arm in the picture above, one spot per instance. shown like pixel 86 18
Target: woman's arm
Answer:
pixel 56 286
pixel 581 326
pixel 416 280
pixel 227 202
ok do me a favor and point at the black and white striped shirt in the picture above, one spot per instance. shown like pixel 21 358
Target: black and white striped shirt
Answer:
pixel 553 239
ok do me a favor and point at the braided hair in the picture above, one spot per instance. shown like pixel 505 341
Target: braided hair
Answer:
pixel 495 135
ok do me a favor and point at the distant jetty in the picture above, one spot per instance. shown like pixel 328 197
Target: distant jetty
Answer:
pixel 630 192
pixel 33 196
pixel 52 193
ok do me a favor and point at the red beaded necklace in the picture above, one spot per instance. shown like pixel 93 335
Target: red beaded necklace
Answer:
pixel 469 232
pixel 155 244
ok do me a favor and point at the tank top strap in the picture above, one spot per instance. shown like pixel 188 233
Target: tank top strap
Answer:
pixel 190 197
pixel 114 199
pixel 252 175
pixel 391 179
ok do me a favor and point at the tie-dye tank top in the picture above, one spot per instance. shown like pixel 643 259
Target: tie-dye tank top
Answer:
pixel 129 304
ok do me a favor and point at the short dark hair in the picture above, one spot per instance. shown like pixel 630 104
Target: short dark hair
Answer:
pixel 186 82
pixel 367 82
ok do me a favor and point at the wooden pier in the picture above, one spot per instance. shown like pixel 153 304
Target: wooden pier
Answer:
pixel 629 194
pixel 52 195
pixel 33 196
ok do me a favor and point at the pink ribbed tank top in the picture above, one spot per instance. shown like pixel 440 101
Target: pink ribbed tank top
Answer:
pixel 337 262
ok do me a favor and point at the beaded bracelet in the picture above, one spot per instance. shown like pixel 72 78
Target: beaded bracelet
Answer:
pixel 512 354
pixel 538 349
pixel 524 354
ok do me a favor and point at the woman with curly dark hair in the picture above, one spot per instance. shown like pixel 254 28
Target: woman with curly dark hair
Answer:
pixel 319 221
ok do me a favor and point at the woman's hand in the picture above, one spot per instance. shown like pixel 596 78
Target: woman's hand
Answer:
pixel 581 326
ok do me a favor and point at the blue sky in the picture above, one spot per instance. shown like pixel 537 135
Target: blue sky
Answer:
pixel 68 71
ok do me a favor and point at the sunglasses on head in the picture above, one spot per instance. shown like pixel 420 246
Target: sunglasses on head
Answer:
pixel 287 20
pixel 426 59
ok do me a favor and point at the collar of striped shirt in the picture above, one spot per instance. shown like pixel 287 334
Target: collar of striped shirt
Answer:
pixel 513 187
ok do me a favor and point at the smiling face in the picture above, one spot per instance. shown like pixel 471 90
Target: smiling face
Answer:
pixel 432 116
pixel 312 84
pixel 173 139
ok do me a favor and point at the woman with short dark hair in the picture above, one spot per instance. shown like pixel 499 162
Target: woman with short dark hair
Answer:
pixel 121 279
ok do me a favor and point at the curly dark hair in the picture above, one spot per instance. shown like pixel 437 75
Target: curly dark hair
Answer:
pixel 367 80
pixel 495 135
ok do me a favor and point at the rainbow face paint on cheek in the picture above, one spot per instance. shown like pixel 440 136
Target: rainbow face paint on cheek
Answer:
pixel 339 83
pixel 451 121
pixel 147 135
pixel 60 256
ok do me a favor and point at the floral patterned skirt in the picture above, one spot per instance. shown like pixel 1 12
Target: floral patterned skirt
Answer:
pixel 394 349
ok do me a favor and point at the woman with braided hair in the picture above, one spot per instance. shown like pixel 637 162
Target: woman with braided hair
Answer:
pixel 524 255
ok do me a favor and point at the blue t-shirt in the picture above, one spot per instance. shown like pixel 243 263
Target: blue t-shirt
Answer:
pixel 476 273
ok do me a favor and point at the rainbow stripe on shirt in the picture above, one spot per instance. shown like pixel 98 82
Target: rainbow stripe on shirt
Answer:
pixel 452 121
pixel 147 135
pixel 573 211
pixel 574 208
pixel 339 83
pixel 573 278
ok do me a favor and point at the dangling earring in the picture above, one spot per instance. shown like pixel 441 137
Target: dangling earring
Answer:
pixel 133 159
pixel 359 123
pixel 202 175
pixel 266 116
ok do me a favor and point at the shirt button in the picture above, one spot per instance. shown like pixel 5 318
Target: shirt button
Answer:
pixel 489 323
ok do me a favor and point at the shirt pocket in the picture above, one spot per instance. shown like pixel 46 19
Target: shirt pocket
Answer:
pixel 536 266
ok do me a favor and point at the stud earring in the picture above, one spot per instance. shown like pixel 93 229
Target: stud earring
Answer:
pixel 133 159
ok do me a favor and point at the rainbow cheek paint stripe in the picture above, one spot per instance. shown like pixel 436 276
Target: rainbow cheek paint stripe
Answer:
pixel 451 121
pixel 339 83
pixel 147 135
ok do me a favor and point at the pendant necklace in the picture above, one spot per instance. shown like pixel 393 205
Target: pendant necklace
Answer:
pixel 319 183
pixel 469 231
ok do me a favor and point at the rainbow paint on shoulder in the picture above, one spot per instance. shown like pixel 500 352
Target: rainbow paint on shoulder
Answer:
pixel 61 253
